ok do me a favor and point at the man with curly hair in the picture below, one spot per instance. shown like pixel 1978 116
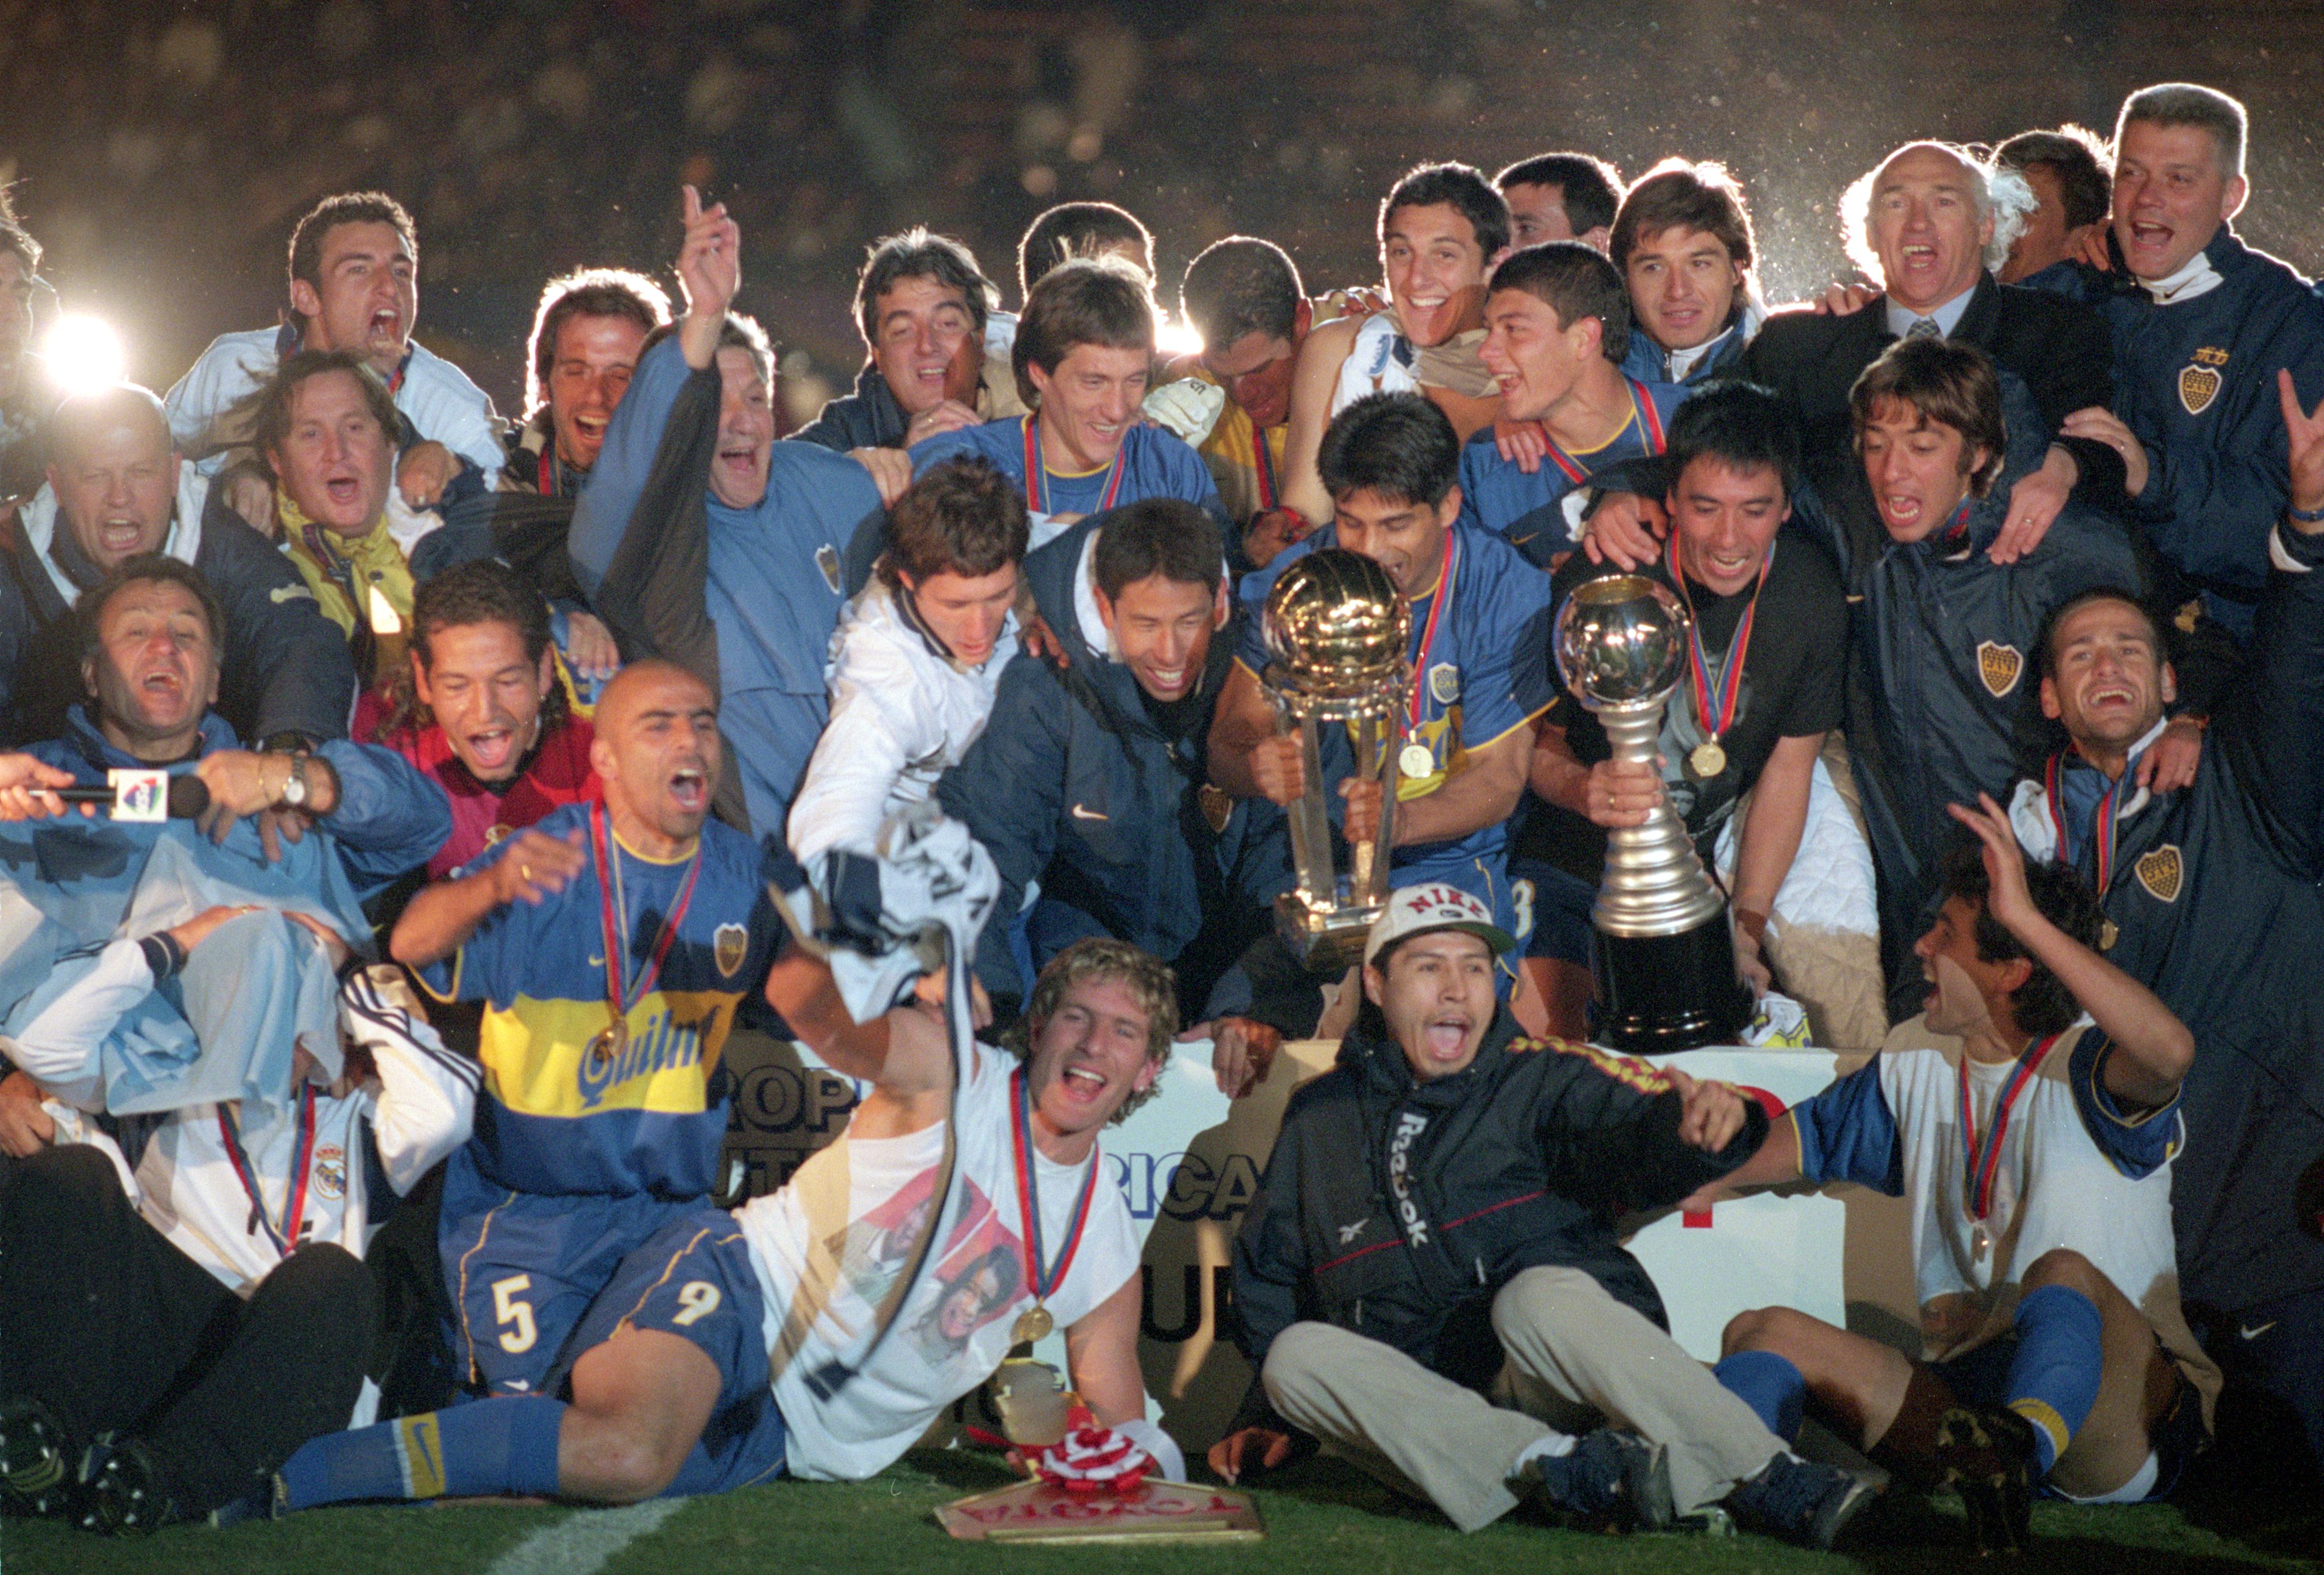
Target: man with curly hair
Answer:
pixel 731 1348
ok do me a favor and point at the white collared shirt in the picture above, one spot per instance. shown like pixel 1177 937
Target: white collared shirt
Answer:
pixel 1948 317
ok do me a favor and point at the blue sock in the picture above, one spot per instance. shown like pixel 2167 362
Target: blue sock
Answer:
pixel 505 1445
pixel 1769 1385
pixel 2054 1379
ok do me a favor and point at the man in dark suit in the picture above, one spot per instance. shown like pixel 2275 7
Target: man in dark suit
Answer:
pixel 1926 225
pixel 1923 224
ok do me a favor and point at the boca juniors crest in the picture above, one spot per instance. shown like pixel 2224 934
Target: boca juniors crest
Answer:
pixel 1998 667
pixel 2162 872
pixel 730 945
pixel 2199 380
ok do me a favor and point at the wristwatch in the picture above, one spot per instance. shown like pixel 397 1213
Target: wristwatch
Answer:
pixel 294 786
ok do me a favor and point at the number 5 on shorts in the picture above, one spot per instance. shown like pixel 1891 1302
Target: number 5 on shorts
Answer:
pixel 508 1309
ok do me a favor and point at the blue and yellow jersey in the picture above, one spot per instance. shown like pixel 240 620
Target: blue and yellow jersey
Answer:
pixel 559 1117
pixel 1480 670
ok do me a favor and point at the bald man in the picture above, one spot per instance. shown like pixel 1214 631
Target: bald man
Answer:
pixel 611 944
pixel 116 489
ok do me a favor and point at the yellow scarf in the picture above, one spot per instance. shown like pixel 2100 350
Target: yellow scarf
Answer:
pixel 341 568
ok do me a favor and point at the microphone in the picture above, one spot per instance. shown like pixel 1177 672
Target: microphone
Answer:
pixel 143 795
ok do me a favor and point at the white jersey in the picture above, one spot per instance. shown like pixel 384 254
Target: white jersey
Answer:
pixel 1373 365
pixel 443 404
pixel 902 714
pixel 2073 1170
pixel 954 1329
pixel 187 1183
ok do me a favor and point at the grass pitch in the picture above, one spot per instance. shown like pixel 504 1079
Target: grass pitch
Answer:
pixel 1321 1517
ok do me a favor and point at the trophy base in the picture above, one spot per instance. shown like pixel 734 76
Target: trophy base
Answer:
pixel 1154 1512
pixel 1657 994
pixel 1323 940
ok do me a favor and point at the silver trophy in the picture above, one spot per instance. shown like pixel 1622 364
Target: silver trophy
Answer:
pixel 1336 630
pixel 1664 960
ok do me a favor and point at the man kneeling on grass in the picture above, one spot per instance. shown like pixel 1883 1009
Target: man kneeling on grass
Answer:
pixel 1431 1279
pixel 721 1354
pixel 2028 1120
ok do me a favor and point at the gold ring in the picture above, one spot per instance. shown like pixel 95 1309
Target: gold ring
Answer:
pixel 525 870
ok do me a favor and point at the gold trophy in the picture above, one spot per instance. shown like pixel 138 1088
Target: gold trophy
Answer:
pixel 1662 956
pixel 1336 631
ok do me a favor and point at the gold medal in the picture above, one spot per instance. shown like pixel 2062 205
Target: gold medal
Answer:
pixel 1415 762
pixel 2109 934
pixel 1707 760
pixel 1032 1327
pixel 614 1040
pixel 1979 1244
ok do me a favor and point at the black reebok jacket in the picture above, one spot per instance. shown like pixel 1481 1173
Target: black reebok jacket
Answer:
pixel 1398 1210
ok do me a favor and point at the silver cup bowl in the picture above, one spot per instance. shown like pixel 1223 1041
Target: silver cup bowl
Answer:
pixel 1620 641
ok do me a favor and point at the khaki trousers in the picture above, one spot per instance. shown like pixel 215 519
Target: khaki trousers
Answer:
pixel 1576 1356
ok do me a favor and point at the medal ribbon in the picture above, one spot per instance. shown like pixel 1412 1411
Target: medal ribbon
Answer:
pixel 294 1206
pixel 1264 463
pixel 1043 1279
pixel 548 469
pixel 1428 636
pixel 2103 829
pixel 1729 682
pixel 1643 414
pixel 1037 474
pixel 1955 536
pixel 619 997
pixel 1982 1155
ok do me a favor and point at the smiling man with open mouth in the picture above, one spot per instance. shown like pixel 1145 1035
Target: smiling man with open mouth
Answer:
pixel 1434 1215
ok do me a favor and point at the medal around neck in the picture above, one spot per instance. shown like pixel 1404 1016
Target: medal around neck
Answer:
pixel 1662 953
pixel 1337 631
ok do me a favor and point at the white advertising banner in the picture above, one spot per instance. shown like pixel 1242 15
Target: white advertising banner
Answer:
pixel 1189 1161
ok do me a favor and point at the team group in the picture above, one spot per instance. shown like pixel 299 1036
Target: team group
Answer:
pixel 370 1115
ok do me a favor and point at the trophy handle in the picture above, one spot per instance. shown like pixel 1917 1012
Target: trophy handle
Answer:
pixel 1310 828
pixel 1375 739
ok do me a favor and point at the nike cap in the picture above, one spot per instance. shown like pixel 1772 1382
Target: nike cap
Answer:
pixel 1416 910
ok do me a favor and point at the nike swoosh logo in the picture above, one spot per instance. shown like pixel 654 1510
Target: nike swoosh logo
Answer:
pixel 597 961
pixel 2250 1333
pixel 1082 813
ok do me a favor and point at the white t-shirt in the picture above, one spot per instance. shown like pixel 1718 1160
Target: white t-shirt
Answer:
pixel 954 1329
pixel 2074 1170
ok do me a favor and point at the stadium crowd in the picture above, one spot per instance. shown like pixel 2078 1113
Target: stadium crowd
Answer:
pixel 373 1133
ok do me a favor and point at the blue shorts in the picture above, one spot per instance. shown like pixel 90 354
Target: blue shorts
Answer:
pixel 1982 1377
pixel 694 1279
pixel 522 1267
pixel 1560 904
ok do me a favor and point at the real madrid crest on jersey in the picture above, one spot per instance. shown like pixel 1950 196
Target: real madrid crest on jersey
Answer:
pixel 330 1172
pixel 2162 871
pixel 730 945
pixel 2199 380
pixel 1998 667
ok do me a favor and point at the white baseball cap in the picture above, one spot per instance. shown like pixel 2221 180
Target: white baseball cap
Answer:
pixel 1414 910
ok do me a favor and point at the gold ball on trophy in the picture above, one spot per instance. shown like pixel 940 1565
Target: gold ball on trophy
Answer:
pixel 1620 641
pixel 1336 626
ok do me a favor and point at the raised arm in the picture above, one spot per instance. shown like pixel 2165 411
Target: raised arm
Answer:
pixel 639 541
pixel 1313 379
pixel 904 1051
pixel 441 918
pixel 2153 1047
